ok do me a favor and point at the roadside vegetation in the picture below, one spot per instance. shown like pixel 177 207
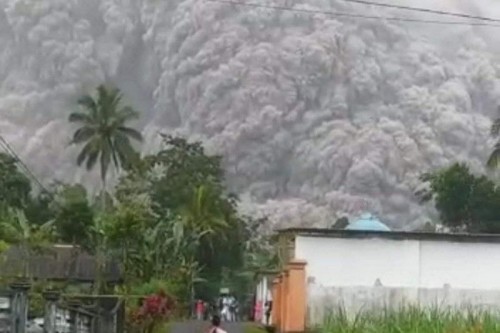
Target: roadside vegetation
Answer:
pixel 412 320
pixel 167 218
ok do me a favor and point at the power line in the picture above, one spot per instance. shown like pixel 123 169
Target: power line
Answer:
pixel 9 150
pixel 423 10
pixel 351 15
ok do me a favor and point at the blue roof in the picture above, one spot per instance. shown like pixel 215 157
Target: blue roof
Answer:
pixel 368 222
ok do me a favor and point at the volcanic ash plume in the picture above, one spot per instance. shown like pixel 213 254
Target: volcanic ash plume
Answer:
pixel 317 116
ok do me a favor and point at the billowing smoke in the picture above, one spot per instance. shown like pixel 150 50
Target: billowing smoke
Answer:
pixel 317 116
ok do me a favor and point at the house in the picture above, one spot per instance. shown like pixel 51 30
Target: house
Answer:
pixel 367 266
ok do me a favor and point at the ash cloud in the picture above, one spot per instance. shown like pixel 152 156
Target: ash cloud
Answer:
pixel 318 116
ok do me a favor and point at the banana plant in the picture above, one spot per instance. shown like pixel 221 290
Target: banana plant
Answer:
pixel 29 238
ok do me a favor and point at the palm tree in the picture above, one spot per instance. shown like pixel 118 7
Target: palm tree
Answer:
pixel 494 159
pixel 201 217
pixel 103 131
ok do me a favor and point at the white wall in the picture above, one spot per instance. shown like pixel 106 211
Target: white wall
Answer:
pixel 343 272
pixel 462 265
pixel 400 263
pixel 348 262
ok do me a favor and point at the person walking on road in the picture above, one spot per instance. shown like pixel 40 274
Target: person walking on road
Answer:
pixel 269 309
pixel 216 325
pixel 200 305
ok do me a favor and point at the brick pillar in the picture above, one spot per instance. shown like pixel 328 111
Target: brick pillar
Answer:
pixel 276 302
pixel 281 312
pixel 296 301
pixel 284 300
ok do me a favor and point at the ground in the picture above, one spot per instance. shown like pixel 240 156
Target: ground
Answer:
pixel 201 327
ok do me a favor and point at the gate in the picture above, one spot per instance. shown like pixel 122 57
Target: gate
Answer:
pixel 5 311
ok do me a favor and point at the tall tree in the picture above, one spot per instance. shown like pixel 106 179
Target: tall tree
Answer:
pixel 73 214
pixel 103 131
pixel 464 201
pixel 494 158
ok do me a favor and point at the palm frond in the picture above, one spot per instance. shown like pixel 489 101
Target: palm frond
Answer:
pixel 85 152
pixel 126 114
pixel 130 132
pixel 88 103
pixel 114 154
pixel 92 159
pixel 108 101
pixel 47 226
pixel 115 98
pixel 494 159
pixel 80 117
pixel 123 148
pixel 83 134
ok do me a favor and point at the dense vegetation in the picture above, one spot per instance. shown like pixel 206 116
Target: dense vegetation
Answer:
pixel 466 201
pixel 170 221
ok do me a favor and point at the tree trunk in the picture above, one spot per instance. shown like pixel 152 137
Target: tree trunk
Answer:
pixel 103 194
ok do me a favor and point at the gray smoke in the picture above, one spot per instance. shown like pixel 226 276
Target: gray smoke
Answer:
pixel 318 116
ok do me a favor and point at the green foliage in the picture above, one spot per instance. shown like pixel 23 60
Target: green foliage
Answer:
pixel 463 200
pixel 103 130
pixel 195 215
pixel 4 246
pixel 73 214
pixel 29 238
pixel 411 320
pixel 186 168
pixel 15 186
pixel 39 208
pixel 154 286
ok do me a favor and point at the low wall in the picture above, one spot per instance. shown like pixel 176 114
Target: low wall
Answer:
pixel 321 299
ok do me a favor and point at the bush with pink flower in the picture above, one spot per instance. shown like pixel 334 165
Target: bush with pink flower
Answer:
pixel 153 313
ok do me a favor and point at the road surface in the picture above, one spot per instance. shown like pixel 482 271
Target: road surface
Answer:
pixel 202 326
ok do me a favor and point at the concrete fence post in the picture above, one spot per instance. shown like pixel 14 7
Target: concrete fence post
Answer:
pixel 19 316
pixel 73 315
pixel 276 302
pixel 51 297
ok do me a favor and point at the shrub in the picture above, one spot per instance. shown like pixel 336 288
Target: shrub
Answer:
pixel 153 313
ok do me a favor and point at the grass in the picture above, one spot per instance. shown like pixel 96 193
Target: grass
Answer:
pixel 254 328
pixel 412 320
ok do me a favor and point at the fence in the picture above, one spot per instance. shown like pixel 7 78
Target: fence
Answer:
pixel 62 314
pixel 5 311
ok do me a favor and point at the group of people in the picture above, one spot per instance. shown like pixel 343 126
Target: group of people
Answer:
pixel 229 308
pixel 226 308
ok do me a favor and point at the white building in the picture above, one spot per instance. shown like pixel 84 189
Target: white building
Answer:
pixel 363 269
